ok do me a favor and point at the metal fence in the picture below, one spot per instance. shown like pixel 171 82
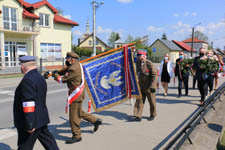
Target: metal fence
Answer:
pixel 194 120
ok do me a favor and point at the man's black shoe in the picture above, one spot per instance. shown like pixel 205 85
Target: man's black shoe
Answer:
pixel 96 124
pixel 137 119
pixel 73 140
pixel 134 118
pixel 179 96
pixel 151 118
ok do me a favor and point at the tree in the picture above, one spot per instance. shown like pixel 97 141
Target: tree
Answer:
pixel 201 36
pixel 60 11
pixel 129 39
pixel 117 36
pixel 114 36
pixel 143 45
pixel 164 37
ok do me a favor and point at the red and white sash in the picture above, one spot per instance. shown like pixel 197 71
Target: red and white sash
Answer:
pixel 77 92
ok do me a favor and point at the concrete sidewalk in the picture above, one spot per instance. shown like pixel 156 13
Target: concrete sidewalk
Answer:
pixel 117 133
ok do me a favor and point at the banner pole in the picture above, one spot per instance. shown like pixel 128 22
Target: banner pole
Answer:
pixel 110 51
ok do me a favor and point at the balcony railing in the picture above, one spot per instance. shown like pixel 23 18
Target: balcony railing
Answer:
pixel 19 25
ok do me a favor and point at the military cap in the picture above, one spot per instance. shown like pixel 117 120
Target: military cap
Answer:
pixel 141 52
pixel 24 59
pixel 72 55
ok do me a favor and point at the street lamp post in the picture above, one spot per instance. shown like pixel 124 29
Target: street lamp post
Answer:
pixel 95 5
pixel 192 41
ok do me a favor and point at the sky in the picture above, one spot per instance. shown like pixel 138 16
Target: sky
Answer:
pixel 148 17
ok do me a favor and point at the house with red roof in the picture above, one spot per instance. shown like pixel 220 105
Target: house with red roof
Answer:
pixel 35 29
pixel 186 49
pixel 197 44
pixel 161 46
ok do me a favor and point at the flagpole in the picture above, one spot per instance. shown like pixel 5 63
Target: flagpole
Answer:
pixel 99 55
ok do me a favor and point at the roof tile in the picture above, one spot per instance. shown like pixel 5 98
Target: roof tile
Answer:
pixel 183 46
pixel 63 20
pixel 196 40
pixel 170 45
pixel 27 14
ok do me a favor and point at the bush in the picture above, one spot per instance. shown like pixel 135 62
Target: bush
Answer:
pixel 84 51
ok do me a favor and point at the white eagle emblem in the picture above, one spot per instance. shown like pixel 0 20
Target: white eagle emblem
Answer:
pixel 113 80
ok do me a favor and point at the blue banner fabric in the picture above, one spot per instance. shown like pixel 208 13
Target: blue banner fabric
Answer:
pixel 105 80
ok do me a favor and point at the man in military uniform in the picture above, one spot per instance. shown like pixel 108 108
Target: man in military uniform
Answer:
pixel 73 76
pixel 147 76
pixel 29 109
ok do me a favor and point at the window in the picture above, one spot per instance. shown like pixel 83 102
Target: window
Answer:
pixel 89 42
pixel 97 42
pixel 9 18
pixel 44 20
pixel 51 51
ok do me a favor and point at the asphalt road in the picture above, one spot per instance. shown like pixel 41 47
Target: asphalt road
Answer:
pixel 56 100
pixel 116 133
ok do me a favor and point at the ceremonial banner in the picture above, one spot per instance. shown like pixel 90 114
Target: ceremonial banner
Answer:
pixel 105 80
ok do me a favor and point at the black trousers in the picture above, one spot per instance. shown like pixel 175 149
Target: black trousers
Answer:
pixel 203 88
pixel 194 82
pixel 180 82
pixel 26 140
pixel 210 81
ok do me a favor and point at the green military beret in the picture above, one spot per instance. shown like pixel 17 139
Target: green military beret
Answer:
pixel 72 55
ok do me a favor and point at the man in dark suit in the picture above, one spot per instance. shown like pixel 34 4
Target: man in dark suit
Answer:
pixel 30 111
pixel 183 74
pixel 201 76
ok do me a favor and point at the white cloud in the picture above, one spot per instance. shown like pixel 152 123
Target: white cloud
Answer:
pixel 101 30
pixel 185 14
pixel 67 16
pixel 180 25
pixel 194 14
pixel 125 1
pixel 155 29
pixel 176 15
pixel 77 33
pixel 180 31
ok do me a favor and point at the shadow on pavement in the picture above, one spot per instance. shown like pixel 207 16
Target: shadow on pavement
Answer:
pixel 4 146
pixel 215 127
pixel 58 130
pixel 115 114
pixel 175 95
pixel 172 101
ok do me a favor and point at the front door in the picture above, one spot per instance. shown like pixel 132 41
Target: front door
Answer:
pixel 13 51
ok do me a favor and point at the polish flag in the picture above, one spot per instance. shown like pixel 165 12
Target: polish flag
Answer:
pixel 28 107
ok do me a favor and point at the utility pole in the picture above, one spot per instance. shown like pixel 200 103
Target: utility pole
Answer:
pixel 212 44
pixel 94 34
pixel 95 5
pixel 192 41
pixel 193 35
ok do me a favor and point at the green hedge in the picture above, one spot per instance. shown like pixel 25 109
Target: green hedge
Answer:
pixel 84 51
